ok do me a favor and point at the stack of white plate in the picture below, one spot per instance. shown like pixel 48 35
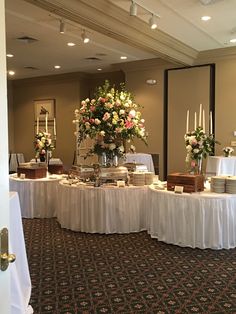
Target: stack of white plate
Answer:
pixel 139 178
pixel 218 184
pixel 231 185
pixel 149 178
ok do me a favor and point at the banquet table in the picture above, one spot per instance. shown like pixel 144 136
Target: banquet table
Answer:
pixel 13 161
pixel 145 159
pixel 202 220
pixel 19 270
pixel 37 196
pixel 106 209
pixel 220 165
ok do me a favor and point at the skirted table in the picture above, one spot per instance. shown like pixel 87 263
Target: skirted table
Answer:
pixel 220 165
pixel 145 159
pixel 103 210
pixel 199 220
pixel 37 196
pixel 19 270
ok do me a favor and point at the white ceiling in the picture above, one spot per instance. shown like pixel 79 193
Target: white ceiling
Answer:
pixel 180 37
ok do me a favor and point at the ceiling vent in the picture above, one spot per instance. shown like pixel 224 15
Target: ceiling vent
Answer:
pixel 30 68
pixel 207 2
pixel 27 39
pixel 93 59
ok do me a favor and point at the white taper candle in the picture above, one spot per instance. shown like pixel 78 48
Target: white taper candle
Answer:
pixel 37 129
pixel 195 120
pixel 200 115
pixel 46 123
pixel 54 126
pixel 187 122
pixel 203 120
pixel 211 123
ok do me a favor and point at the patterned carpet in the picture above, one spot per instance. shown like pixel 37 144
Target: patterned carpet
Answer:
pixel 75 272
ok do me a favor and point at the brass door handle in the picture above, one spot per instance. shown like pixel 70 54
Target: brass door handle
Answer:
pixel 5 257
pixel 10 257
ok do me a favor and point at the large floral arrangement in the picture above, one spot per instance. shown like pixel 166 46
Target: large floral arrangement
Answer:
pixel 43 143
pixel 198 145
pixel 110 118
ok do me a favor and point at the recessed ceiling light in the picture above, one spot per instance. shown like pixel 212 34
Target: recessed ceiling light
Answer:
pixel 57 66
pixel 71 44
pixel 10 55
pixel 123 57
pixel 99 69
pixel 11 72
pixel 205 18
pixel 233 40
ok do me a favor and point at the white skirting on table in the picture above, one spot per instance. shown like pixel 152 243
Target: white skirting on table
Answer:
pixel 102 210
pixel 37 197
pixel 203 220
pixel 19 271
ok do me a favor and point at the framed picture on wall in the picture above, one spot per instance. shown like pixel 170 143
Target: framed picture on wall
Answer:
pixel 43 106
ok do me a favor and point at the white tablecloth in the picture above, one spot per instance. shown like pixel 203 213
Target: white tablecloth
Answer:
pixel 145 159
pixel 19 271
pixel 203 220
pixel 37 196
pixel 219 165
pixel 103 209
pixel 13 161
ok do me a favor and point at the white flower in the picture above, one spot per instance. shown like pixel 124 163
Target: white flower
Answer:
pixel 102 133
pixel 121 148
pixel 97 121
pixel 189 148
pixel 112 146
pixel 196 150
pixel 122 111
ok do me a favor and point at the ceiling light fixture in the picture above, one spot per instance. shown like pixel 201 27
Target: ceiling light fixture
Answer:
pixel 233 40
pixel 123 57
pixel 11 72
pixel 99 69
pixel 57 66
pixel 205 18
pixel 10 55
pixel 85 37
pixel 133 9
pixel 71 44
pixel 153 22
pixel 62 27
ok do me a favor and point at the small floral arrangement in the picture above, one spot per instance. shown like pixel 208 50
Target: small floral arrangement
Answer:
pixel 110 118
pixel 228 151
pixel 43 143
pixel 198 144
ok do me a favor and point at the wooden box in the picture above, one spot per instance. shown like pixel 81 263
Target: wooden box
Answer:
pixel 55 169
pixel 190 182
pixel 32 172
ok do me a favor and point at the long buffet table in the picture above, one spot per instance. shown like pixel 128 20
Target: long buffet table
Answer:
pixel 203 220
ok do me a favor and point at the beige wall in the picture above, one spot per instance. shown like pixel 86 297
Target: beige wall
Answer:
pixel 70 89
pixel 225 103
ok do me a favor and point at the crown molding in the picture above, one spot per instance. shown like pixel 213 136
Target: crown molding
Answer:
pixel 144 65
pixel 216 54
pixel 104 17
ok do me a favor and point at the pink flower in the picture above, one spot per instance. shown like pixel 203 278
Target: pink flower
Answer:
pixel 91 120
pixel 129 124
pixel 106 116
pixel 92 108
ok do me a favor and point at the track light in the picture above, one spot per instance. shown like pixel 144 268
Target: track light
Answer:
pixel 85 38
pixel 153 22
pixel 133 9
pixel 62 27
